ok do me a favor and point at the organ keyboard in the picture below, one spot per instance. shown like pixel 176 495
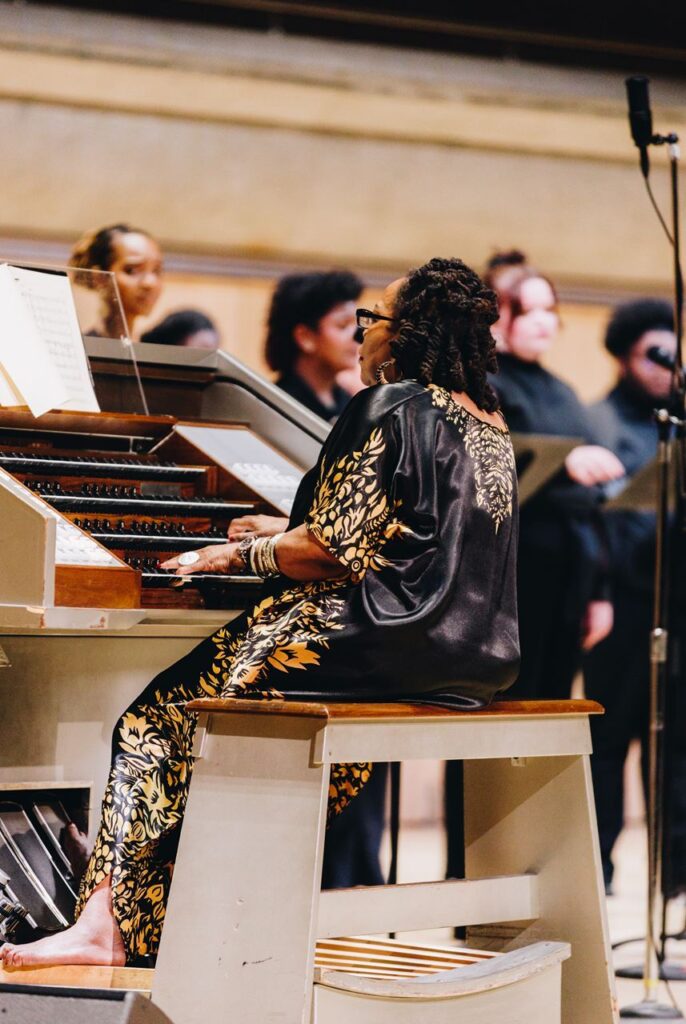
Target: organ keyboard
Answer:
pixel 123 493
pixel 89 504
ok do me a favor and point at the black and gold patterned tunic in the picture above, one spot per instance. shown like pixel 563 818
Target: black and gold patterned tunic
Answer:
pixel 416 498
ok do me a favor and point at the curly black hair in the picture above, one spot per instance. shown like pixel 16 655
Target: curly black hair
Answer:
pixel 443 314
pixel 304 299
pixel 632 320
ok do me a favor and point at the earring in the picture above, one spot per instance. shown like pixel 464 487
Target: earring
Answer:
pixel 381 377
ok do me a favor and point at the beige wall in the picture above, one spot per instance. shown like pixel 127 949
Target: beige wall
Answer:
pixel 249 154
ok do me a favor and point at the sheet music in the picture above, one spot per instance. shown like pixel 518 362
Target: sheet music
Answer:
pixel 49 300
pixel 8 393
pixel 24 355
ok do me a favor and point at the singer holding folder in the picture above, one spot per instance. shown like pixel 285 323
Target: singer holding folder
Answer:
pixel 561 592
pixel 617 671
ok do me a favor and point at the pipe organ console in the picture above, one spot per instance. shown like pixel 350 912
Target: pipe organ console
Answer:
pixel 89 505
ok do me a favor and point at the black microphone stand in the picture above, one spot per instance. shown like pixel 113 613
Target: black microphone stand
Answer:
pixel 671 424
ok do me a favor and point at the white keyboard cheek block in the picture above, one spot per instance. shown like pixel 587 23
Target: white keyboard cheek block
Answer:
pixel 73 547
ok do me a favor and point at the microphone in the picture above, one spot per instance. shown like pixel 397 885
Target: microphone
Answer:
pixel 662 356
pixel 640 117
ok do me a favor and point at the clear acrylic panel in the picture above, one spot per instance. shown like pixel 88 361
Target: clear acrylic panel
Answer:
pixel 96 298
pixel 98 304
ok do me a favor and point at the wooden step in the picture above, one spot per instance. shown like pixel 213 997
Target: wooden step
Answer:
pixel 132 979
pixel 379 958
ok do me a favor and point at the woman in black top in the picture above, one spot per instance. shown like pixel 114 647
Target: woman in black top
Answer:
pixel 394 580
pixel 311 338
pixel 563 606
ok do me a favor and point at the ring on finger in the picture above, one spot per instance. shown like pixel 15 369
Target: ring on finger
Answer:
pixel 189 558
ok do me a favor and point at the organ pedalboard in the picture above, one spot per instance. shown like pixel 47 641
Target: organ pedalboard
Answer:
pixel 90 505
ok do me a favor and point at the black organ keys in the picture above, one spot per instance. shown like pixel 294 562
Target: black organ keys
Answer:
pixel 145 511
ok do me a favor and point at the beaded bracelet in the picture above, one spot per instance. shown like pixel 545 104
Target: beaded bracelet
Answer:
pixel 244 547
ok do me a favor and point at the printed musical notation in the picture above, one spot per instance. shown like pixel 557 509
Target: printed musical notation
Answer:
pixel 43 363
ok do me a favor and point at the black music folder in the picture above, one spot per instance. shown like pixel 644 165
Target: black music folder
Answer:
pixel 539 457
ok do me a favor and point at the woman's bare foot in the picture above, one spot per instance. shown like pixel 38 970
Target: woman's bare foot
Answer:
pixel 94 939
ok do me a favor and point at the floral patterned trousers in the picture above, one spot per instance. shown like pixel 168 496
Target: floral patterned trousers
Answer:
pixel 147 790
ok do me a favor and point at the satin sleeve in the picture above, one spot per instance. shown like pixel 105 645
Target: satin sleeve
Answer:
pixel 352 514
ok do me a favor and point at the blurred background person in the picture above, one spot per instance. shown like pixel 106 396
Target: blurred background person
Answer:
pixel 563 603
pixel 562 577
pixel 187 328
pixel 617 671
pixel 135 259
pixel 311 330
pixel 501 273
pixel 311 337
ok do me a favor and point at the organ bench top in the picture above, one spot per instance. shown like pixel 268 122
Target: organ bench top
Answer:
pixel 498 709
pixel 347 733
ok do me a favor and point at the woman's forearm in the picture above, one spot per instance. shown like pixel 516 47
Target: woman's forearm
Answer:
pixel 297 554
pixel 302 558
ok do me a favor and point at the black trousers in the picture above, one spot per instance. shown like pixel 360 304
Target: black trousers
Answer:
pixel 551 599
pixel 617 675
pixel 353 839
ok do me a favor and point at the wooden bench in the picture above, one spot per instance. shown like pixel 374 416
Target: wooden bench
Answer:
pixel 245 910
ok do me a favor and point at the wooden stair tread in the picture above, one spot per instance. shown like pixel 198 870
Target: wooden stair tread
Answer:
pixel 364 956
pixel 386 958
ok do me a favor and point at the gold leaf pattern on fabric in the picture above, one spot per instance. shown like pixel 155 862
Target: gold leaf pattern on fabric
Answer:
pixel 491 452
pixel 285 633
pixel 148 786
pixel 350 512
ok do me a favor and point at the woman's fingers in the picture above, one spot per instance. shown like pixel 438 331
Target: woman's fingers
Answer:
pixel 215 558
pixel 256 526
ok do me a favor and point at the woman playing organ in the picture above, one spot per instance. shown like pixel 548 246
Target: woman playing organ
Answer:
pixel 394 580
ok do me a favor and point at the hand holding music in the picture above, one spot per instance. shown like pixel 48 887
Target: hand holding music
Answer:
pixel 590 464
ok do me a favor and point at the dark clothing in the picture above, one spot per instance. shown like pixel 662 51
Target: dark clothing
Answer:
pixel 416 499
pixel 298 389
pixel 617 671
pixel 624 423
pixel 353 839
pixel 561 554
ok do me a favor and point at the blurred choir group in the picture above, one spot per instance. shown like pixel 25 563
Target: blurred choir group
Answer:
pixel 585 577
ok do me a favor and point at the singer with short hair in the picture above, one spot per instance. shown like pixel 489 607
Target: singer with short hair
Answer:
pixel 311 338
pixel 617 671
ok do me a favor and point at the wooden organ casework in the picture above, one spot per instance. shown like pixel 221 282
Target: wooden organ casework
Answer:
pixel 89 504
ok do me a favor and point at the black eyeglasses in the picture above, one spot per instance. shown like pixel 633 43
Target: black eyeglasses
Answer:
pixel 366 318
